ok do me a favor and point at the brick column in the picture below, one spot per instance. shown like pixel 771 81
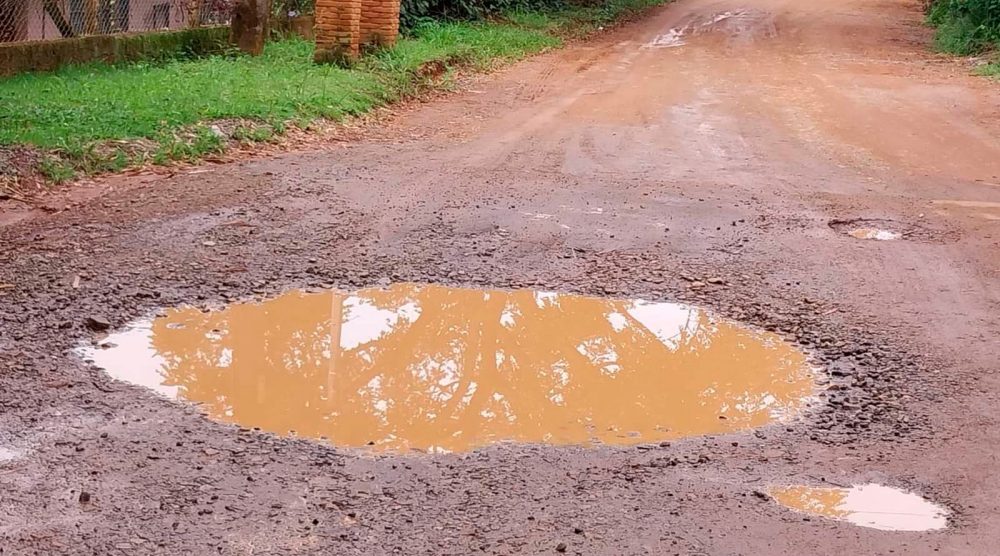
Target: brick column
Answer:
pixel 338 31
pixel 379 22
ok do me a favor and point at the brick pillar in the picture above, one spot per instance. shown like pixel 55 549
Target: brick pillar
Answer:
pixel 379 22
pixel 338 31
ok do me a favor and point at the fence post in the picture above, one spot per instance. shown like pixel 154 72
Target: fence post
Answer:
pixel 194 13
pixel 90 17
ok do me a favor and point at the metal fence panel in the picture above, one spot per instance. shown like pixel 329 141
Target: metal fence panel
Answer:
pixel 36 20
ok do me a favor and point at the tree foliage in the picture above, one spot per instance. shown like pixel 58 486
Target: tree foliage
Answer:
pixel 966 26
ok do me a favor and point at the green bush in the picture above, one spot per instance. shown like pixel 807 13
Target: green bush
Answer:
pixel 966 26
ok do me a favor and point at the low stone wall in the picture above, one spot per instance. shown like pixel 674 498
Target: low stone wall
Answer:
pixel 49 55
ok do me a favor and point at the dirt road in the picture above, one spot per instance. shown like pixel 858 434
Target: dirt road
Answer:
pixel 733 141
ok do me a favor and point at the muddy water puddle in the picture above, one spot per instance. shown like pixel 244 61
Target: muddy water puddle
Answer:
pixel 874 233
pixel 875 229
pixel 746 25
pixel 870 505
pixel 431 368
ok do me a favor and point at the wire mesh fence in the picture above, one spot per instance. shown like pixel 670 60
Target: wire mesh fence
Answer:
pixel 37 20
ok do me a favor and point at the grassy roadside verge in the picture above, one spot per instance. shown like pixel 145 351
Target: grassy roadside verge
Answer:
pixel 990 70
pixel 967 27
pixel 97 118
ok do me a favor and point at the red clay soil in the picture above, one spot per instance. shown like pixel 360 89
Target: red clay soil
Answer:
pixel 631 165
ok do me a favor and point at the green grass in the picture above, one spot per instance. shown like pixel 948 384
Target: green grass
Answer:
pixel 580 20
pixel 956 36
pixel 89 118
pixel 479 44
pixel 81 104
pixel 990 70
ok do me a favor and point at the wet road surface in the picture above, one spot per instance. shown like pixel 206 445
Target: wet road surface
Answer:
pixel 715 154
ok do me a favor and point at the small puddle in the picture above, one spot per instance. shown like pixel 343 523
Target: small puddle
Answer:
pixel 871 505
pixel 746 24
pixel 874 228
pixel 432 368
pixel 874 233
pixel 9 454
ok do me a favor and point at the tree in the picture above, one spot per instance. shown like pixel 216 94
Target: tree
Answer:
pixel 250 25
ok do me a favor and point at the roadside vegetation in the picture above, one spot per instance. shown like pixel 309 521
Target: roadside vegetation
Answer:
pixel 990 70
pixel 967 27
pixel 98 118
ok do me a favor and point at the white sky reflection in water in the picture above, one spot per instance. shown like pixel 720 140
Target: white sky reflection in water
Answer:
pixel 122 352
pixel 444 369
pixel 871 505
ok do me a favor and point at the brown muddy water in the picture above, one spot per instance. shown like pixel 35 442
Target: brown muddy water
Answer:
pixel 874 233
pixel 439 369
pixel 871 505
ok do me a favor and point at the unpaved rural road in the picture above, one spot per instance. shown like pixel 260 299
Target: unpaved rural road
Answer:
pixel 629 165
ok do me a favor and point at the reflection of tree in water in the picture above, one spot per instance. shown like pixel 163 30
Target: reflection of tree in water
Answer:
pixel 245 357
pixel 431 367
pixel 828 502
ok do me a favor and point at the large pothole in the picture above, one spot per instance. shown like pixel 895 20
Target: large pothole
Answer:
pixel 882 229
pixel 432 368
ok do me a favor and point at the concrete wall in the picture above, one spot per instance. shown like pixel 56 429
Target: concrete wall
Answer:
pixel 22 57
